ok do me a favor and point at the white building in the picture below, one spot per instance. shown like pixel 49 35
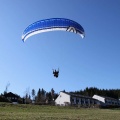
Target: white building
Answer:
pixel 107 100
pixel 66 98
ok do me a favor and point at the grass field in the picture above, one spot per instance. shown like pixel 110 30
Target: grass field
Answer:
pixel 36 112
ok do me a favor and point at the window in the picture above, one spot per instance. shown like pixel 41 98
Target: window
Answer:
pixel 77 100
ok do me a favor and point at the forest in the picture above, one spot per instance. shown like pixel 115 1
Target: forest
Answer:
pixel 113 93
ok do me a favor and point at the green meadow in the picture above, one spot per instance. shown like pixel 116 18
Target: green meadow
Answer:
pixel 45 112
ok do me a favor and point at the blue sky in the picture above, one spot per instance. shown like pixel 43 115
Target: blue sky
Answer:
pixel 90 62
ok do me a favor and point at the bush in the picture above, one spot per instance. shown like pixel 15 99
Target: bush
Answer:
pixel 3 99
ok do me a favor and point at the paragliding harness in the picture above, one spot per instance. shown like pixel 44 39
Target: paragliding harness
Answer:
pixel 56 73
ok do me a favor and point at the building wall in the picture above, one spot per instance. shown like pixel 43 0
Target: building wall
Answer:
pixel 70 99
pixel 66 99
pixel 63 99
pixel 106 101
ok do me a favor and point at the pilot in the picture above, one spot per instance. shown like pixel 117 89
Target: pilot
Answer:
pixel 56 73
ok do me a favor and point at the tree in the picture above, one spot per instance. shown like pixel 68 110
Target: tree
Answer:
pixel 6 88
pixel 43 95
pixel 48 96
pixel 52 93
pixel 27 96
pixel 33 94
pixel 39 96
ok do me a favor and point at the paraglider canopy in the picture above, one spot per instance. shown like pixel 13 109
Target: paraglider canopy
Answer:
pixel 52 25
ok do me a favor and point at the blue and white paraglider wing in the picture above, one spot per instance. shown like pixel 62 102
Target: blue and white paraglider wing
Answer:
pixel 53 24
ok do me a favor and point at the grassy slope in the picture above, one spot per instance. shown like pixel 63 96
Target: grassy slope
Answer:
pixel 35 112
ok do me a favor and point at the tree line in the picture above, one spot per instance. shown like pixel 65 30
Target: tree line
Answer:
pixel 41 96
pixel 113 93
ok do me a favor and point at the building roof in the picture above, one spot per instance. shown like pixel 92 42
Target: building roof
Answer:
pixel 10 94
pixel 108 97
pixel 76 95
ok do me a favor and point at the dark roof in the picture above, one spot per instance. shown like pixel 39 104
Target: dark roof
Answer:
pixel 10 94
pixel 77 95
pixel 107 97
